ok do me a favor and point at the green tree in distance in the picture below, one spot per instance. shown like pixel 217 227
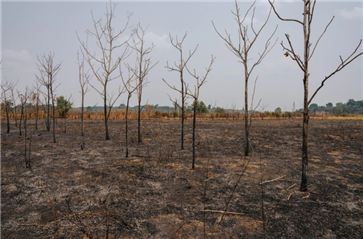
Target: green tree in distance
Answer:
pixel 63 106
pixel 219 110
pixel 278 110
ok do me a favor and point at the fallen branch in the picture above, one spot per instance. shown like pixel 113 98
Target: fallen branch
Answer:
pixel 269 181
pixel 291 186
pixel 217 211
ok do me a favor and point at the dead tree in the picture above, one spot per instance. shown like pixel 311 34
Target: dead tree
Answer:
pixel 130 90
pixel 23 99
pixel 107 40
pixel 142 67
pixel 36 93
pixel 180 69
pixel 200 81
pixel 83 78
pixel 242 51
pixel 308 14
pixel 195 96
pixel 48 71
pixel 14 99
pixel 7 87
pixel 27 151
pixel 234 108
pixel 262 110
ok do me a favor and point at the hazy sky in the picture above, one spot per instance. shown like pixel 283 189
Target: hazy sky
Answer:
pixel 35 28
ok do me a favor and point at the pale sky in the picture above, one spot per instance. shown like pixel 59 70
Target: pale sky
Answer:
pixel 35 28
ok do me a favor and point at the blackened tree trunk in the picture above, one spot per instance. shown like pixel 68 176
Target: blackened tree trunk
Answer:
pixel 304 170
pixel 194 114
pixel 52 95
pixel 82 116
pixel 247 145
pixel 139 121
pixel 37 113
pixel 105 113
pixel 48 112
pixel 7 119
pixel 304 161
pixel 126 125
pixel 21 117
pixel 27 148
pixel 182 108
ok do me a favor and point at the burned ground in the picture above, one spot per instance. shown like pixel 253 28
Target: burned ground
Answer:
pixel 95 192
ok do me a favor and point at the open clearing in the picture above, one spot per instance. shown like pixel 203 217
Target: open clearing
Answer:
pixel 96 191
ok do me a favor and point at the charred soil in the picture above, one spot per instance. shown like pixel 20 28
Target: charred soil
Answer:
pixel 96 192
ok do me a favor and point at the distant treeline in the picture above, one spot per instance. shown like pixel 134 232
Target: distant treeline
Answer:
pixel 351 107
pixel 123 106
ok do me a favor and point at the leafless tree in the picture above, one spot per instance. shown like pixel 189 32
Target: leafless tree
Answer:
pixel 14 99
pixel 142 67
pixel 234 107
pixel 36 93
pixel 104 65
pixel 130 88
pixel 83 78
pixel 308 14
pixel 293 107
pixel 177 107
pixel 242 51
pixel 253 108
pixel 7 87
pixel 212 112
pixel 179 67
pixel 23 99
pixel 23 105
pixel 195 95
pixel 48 71
pixel 262 110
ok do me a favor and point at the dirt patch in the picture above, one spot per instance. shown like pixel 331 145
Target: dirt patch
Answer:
pixel 96 191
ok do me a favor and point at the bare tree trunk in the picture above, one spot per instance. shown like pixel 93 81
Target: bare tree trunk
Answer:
pixel 304 161
pixel 182 109
pixel 304 177
pixel 21 117
pixel 83 81
pixel 25 148
pixel 51 91
pixel 139 122
pixel 105 113
pixel 14 111
pixel 246 148
pixel 37 113
pixel 194 114
pixel 82 115
pixel 126 126
pixel 7 118
pixel 48 117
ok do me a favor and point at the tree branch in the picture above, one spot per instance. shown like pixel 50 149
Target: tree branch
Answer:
pixel 283 19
